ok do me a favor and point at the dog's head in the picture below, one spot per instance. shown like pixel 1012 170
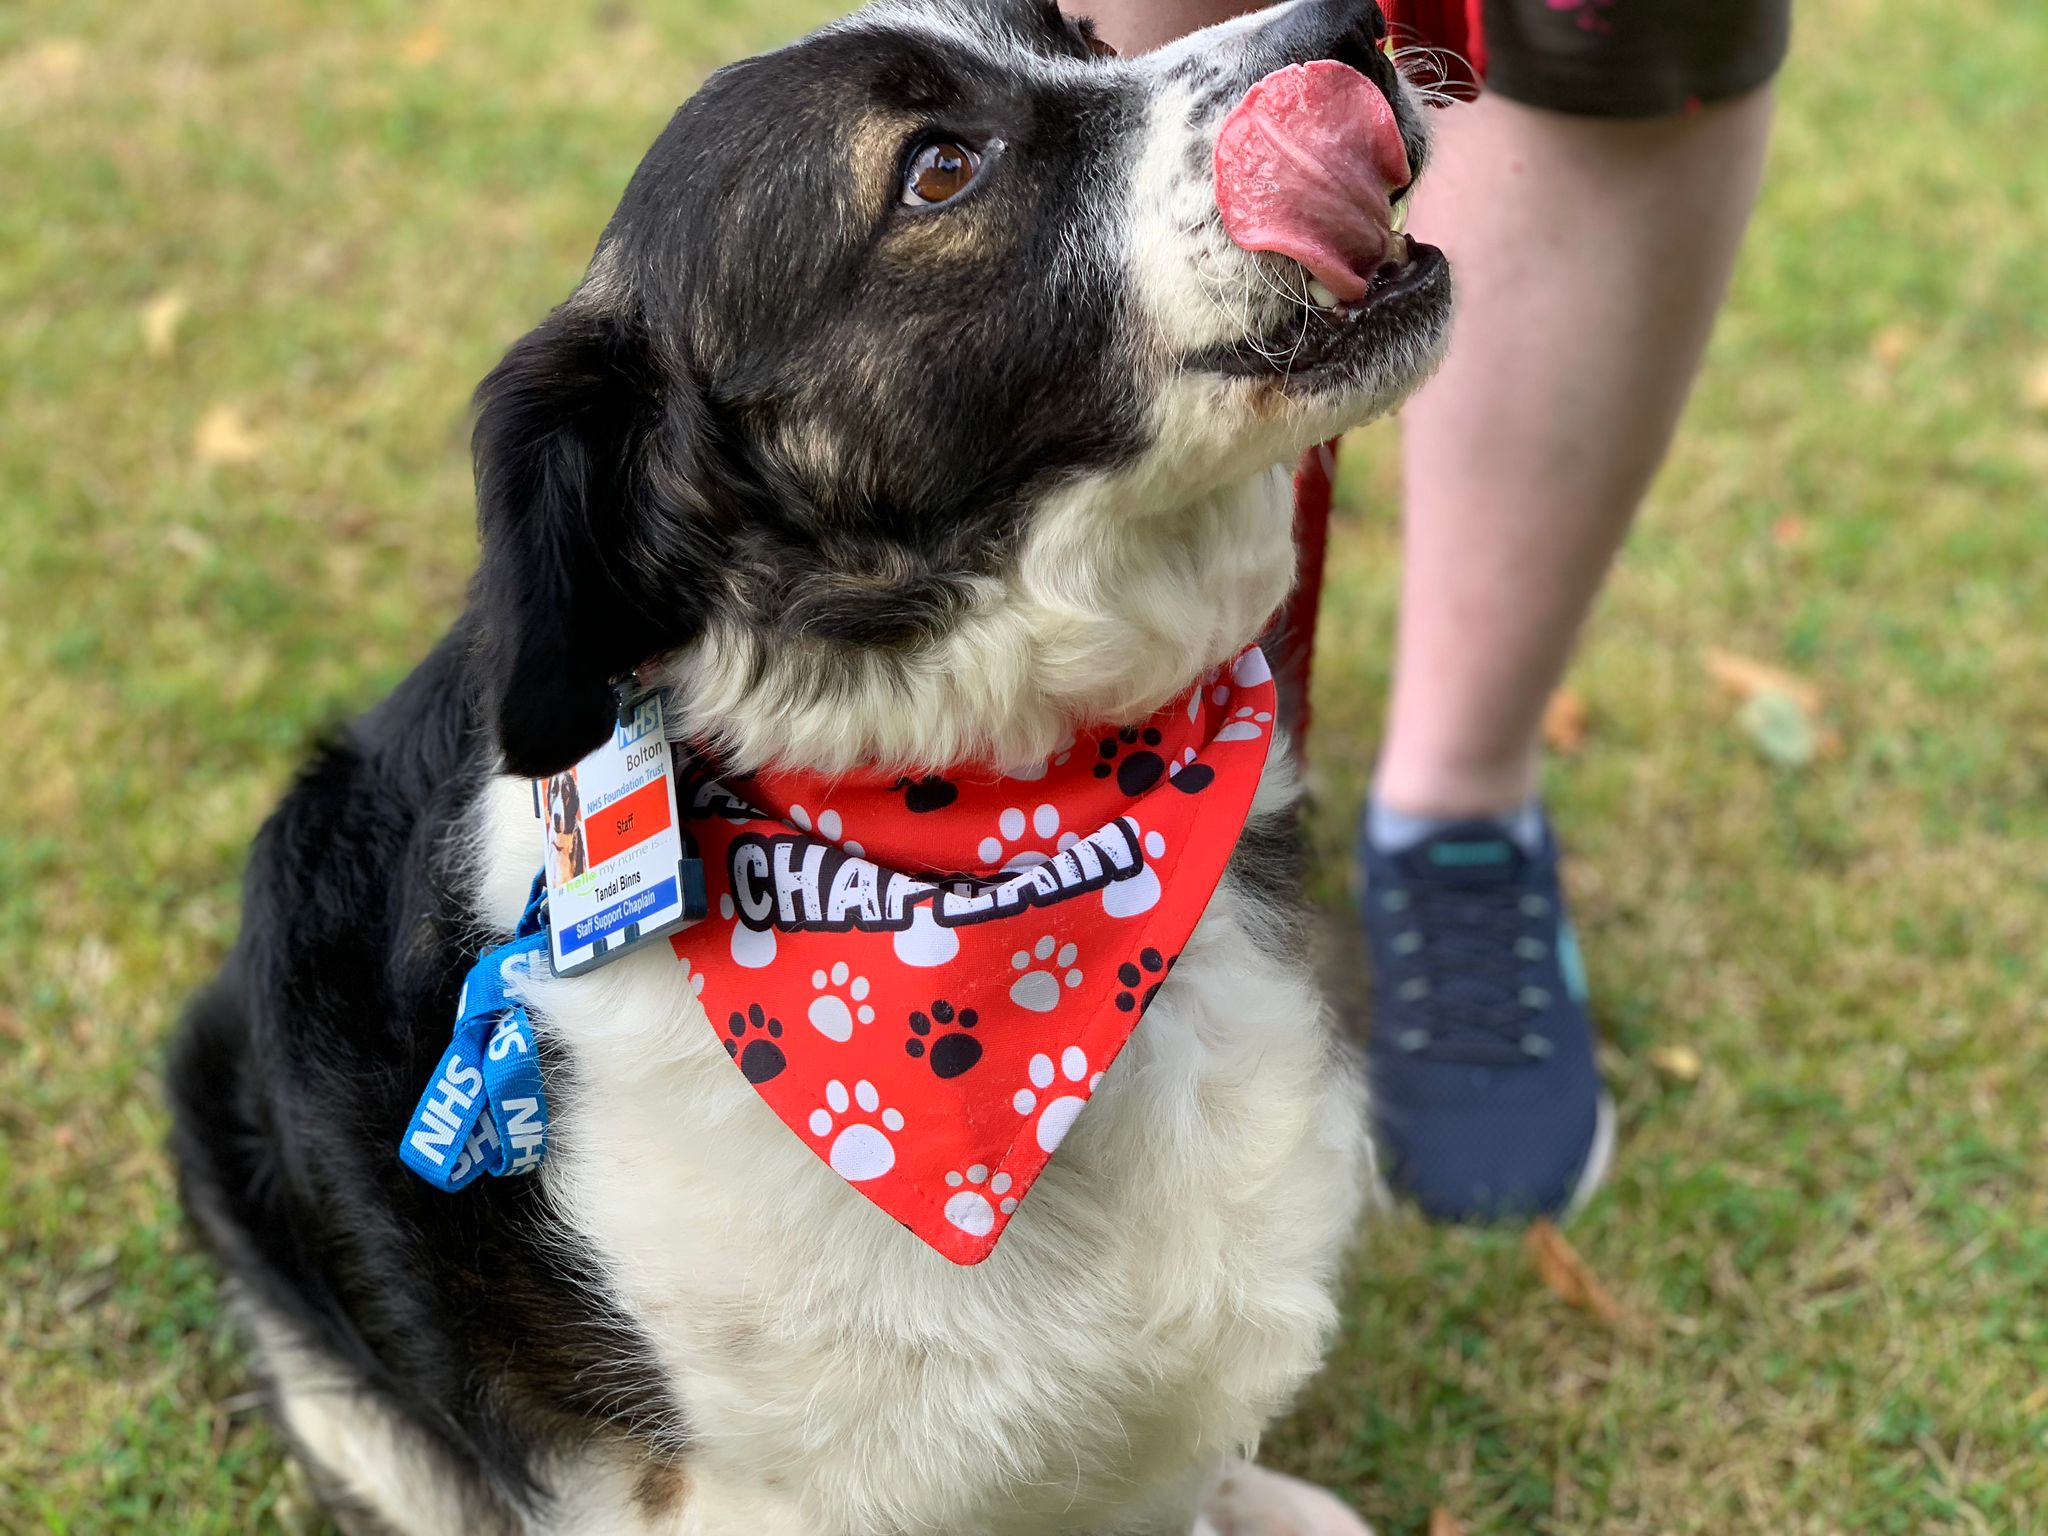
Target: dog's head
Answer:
pixel 916 405
pixel 564 805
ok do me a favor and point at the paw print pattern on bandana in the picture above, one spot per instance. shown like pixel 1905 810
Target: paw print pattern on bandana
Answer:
pixel 952 1053
pixel 828 826
pixel 752 1036
pixel 969 1209
pixel 1044 827
pixel 1251 670
pixel 861 1150
pixel 840 1001
pixel 1141 979
pixel 1039 989
pixel 924 943
pixel 931 793
pixel 1129 755
pixel 1140 893
pixel 1246 724
pixel 1033 772
pixel 752 948
pixel 1056 1112
pixel 1189 776
pixel 949 998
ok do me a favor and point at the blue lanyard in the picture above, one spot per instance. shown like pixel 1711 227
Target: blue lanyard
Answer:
pixel 485 1110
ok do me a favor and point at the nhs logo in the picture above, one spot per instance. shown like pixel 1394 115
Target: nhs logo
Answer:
pixel 526 1133
pixel 478 1153
pixel 439 1121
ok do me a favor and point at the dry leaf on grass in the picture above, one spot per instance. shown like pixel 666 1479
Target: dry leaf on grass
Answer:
pixel 42 75
pixel 1677 1063
pixel 1443 1523
pixel 1892 345
pixel 1564 723
pixel 188 541
pixel 1778 709
pixel 223 437
pixel 2037 385
pixel 1745 678
pixel 424 46
pixel 161 317
pixel 54 58
pixel 1567 1276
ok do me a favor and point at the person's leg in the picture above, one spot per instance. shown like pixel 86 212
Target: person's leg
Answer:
pixel 1590 256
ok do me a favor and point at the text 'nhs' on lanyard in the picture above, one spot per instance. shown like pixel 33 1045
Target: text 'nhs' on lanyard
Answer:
pixel 614 874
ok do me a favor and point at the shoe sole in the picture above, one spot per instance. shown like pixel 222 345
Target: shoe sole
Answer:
pixel 1381 1199
pixel 1599 1159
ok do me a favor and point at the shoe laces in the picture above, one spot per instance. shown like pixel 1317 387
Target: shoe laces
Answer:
pixel 1472 985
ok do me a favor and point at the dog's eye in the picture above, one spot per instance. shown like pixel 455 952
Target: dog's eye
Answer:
pixel 937 171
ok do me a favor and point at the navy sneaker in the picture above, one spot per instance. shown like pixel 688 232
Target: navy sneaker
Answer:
pixel 1489 1104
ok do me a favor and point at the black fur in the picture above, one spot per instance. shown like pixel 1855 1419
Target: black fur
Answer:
pixel 595 534
pixel 297 1070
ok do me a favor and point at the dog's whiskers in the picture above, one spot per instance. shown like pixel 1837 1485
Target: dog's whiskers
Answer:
pixel 1422 67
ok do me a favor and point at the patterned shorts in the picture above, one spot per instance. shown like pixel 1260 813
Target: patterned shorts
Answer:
pixel 1632 58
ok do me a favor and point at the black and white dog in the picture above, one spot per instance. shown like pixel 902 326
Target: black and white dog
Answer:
pixel 914 408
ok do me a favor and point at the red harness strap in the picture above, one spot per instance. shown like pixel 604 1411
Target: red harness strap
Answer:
pixel 1456 27
pixel 1291 638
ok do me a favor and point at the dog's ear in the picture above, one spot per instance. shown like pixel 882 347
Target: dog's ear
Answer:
pixel 594 552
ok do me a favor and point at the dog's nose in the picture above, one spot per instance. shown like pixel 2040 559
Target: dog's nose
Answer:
pixel 1349 31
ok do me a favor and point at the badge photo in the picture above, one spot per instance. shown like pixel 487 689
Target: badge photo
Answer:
pixel 617 870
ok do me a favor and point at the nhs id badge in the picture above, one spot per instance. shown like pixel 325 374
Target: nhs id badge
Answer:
pixel 617 871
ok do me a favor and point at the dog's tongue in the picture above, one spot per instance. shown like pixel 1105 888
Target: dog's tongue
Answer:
pixel 1306 165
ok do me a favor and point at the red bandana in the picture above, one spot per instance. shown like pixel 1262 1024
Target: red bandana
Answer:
pixel 927 978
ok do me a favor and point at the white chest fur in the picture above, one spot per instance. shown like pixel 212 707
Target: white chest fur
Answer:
pixel 1158 1297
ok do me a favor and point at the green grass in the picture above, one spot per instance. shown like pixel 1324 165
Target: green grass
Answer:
pixel 1839 1233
